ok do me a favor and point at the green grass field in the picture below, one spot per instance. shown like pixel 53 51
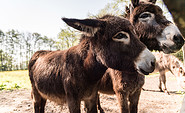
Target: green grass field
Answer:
pixel 10 80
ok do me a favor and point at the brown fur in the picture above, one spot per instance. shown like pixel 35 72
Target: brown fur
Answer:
pixel 148 32
pixel 73 75
pixel 127 85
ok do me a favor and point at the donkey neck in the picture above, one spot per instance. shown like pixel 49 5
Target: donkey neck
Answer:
pixel 94 69
pixel 152 44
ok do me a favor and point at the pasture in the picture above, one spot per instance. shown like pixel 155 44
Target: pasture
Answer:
pixel 18 100
pixel 10 80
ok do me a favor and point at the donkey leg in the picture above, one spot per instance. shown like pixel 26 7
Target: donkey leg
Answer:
pixel 163 77
pixel 73 104
pixel 160 83
pixel 98 104
pixel 91 107
pixel 43 103
pixel 162 73
pixel 123 101
pixel 134 99
pixel 91 104
pixel 38 102
pixel 72 96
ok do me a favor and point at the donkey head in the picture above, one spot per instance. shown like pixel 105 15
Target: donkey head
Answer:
pixel 154 30
pixel 114 44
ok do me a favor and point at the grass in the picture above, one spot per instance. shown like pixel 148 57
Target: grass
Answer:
pixel 10 80
pixel 152 74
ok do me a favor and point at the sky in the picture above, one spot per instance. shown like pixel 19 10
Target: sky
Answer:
pixel 44 16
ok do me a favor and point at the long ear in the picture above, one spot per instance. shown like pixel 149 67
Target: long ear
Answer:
pixel 135 3
pixel 131 8
pixel 89 26
pixel 150 1
pixel 127 12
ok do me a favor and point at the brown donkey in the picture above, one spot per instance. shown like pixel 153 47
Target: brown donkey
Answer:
pixel 157 33
pixel 73 75
pixel 153 29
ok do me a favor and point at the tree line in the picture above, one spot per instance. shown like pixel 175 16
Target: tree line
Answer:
pixel 16 48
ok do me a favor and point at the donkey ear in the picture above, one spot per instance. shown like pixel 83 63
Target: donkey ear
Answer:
pixel 89 26
pixel 131 8
pixel 135 3
pixel 127 10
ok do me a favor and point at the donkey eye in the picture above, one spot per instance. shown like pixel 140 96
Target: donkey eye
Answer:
pixel 120 36
pixel 145 15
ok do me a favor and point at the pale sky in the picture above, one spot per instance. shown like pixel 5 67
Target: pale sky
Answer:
pixel 44 16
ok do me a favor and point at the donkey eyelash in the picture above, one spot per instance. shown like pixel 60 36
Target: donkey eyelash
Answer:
pixel 122 37
pixel 145 15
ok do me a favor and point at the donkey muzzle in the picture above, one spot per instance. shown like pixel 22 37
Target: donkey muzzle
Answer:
pixel 145 62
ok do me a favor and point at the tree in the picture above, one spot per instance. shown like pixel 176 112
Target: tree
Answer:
pixel 6 61
pixel 36 37
pixel 1 37
pixel 1 59
pixel 12 37
pixel 51 44
pixel 116 7
pixel 16 48
pixel 1 43
pixel 67 38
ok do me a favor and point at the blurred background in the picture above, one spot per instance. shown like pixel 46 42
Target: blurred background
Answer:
pixel 28 26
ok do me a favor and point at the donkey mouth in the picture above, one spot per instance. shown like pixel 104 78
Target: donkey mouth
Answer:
pixel 170 49
pixel 166 49
pixel 143 72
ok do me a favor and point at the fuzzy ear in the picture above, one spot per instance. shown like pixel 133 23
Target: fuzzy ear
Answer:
pixel 89 26
pixel 135 3
pixel 131 8
pixel 128 10
pixel 150 1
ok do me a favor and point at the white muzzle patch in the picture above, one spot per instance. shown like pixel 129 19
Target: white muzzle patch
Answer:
pixel 145 63
pixel 166 40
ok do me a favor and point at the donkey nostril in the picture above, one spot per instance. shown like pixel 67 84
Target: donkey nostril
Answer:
pixel 153 64
pixel 177 38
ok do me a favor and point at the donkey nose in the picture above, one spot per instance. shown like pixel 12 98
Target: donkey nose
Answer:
pixel 145 63
pixel 153 63
pixel 178 39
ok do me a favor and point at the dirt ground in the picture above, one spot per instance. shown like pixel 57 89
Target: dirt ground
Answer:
pixel 151 100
